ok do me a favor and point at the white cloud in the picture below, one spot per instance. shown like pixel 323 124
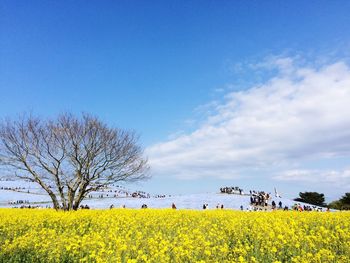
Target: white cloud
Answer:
pixel 301 113
pixel 328 177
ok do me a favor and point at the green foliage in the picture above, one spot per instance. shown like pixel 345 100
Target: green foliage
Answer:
pixel 345 199
pixel 335 205
pixel 313 198
pixel 341 204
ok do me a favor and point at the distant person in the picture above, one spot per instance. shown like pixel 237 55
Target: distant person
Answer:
pixel 273 204
pixel 222 206
pixel 280 204
pixel 241 207
pixel 173 206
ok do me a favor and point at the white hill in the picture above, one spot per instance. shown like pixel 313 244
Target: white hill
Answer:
pixel 13 193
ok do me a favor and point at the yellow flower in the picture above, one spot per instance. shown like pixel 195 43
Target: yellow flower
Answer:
pixel 126 235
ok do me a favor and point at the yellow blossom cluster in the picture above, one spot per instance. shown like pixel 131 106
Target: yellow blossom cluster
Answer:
pixel 123 235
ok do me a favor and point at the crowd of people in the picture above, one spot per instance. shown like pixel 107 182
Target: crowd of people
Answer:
pixel 231 190
pixel 103 193
pixel 29 206
pixel 259 198
pixel 12 188
pixel 307 208
pixel 19 202
pixel 160 196
pixel 140 194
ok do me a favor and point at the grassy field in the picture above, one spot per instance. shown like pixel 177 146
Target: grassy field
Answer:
pixel 123 235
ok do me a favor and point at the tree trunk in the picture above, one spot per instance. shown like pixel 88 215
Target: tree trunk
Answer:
pixel 80 196
pixel 55 202
pixel 71 195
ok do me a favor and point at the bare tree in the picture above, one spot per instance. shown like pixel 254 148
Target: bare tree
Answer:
pixel 70 157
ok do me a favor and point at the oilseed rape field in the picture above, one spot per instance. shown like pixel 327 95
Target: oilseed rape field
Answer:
pixel 146 235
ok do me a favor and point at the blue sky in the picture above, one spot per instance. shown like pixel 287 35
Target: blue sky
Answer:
pixel 170 70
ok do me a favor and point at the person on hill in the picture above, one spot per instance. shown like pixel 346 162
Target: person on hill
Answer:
pixel 280 204
pixel 273 205
pixel 173 206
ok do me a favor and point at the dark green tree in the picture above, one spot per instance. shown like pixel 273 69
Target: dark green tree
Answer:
pixel 313 198
pixel 341 204
pixel 335 205
pixel 345 200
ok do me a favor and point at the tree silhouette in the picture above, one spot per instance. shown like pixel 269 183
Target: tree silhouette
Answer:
pixel 313 198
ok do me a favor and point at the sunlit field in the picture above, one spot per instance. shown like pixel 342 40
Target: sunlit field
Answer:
pixel 122 235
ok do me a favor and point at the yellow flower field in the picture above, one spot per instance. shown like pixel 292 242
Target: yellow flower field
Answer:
pixel 123 235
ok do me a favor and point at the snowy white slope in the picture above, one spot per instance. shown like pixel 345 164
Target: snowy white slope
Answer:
pixel 190 201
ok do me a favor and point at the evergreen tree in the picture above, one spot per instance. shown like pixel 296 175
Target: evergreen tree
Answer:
pixel 313 198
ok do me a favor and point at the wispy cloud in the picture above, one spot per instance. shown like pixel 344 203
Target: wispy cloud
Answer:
pixel 300 113
pixel 329 177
